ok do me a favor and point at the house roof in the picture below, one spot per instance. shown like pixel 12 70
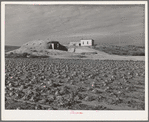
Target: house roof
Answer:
pixel 54 42
pixel 86 39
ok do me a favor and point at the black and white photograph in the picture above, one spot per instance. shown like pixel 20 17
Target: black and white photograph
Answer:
pixel 74 60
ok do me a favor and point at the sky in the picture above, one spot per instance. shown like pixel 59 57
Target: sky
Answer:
pixel 110 24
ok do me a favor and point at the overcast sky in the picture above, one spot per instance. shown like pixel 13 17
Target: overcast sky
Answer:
pixel 65 23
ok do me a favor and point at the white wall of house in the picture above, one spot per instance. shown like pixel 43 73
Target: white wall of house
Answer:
pixel 86 42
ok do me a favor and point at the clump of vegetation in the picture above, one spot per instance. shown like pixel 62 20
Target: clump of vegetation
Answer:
pixel 88 53
pixel 79 56
pixel 34 50
pixel 130 50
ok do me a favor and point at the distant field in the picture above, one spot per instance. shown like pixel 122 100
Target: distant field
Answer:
pixel 10 48
pixel 122 50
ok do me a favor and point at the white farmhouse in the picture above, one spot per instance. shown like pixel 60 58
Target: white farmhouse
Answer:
pixel 83 43
pixel 87 42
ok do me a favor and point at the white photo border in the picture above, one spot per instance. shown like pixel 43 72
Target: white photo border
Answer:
pixel 66 114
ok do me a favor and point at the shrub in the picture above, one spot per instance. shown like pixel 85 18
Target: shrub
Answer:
pixel 11 53
pixel 24 55
pixel 34 50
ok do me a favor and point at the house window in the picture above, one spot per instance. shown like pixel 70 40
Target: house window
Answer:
pixel 83 42
pixel 87 42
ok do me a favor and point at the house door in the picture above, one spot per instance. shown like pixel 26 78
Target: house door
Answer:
pixel 52 46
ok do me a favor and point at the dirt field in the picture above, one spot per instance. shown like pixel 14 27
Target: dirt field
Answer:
pixel 74 84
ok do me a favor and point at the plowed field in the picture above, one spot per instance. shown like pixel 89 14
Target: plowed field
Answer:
pixel 74 84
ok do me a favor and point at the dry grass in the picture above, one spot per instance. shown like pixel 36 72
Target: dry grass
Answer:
pixel 10 48
pixel 129 50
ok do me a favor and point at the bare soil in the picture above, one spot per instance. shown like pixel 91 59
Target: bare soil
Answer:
pixel 74 84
